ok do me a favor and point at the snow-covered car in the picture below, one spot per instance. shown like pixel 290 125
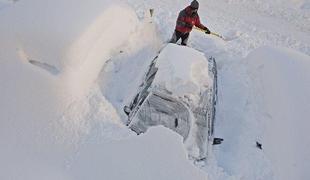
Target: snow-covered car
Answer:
pixel 179 92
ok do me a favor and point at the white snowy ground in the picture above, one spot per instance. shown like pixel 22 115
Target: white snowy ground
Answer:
pixel 68 67
pixel 55 121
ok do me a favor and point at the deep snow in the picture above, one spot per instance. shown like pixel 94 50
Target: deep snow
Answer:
pixel 282 77
pixel 157 154
pixel 46 116
pixel 176 92
pixel 183 74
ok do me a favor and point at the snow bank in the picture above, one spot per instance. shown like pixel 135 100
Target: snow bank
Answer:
pixel 281 78
pixel 159 154
pixel 51 54
pixel 46 30
pixel 97 44
pixel 76 38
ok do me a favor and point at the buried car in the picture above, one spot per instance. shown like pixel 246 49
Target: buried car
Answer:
pixel 179 91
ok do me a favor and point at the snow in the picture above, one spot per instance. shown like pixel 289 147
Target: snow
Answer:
pixel 176 92
pixel 158 154
pixel 279 74
pixel 68 67
pixel 59 101
pixel 52 105
pixel 183 74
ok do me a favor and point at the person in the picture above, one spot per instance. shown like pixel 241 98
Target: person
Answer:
pixel 187 18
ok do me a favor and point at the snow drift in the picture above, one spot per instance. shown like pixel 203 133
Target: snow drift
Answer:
pixel 42 98
pixel 158 154
pixel 50 99
pixel 54 59
pixel 281 78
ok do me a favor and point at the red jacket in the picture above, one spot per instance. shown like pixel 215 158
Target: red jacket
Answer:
pixel 186 20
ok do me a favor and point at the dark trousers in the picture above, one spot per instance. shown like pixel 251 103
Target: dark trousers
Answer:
pixel 177 35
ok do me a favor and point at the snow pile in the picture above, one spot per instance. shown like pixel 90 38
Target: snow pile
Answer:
pixel 50 99
pixel 65 68
pixel 103 39
pixel 282 80
pixel 176 92
pixel 76 43
pixel 182 71
pixel 59 55
pixel 158 154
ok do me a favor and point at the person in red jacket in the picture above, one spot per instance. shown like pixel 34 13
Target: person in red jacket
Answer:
pixel 187 18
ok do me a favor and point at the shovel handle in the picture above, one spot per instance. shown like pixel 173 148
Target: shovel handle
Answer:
pixel 215 34
pixel 212 33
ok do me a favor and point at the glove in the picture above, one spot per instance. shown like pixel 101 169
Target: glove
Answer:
pixel 207 31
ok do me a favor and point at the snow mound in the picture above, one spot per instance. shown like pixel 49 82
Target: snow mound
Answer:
pixel 158 154
pixel 177 92
pixel 282 80
pixel 60 55
pixel 103 39
pixel 51 54
pixel 183 73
